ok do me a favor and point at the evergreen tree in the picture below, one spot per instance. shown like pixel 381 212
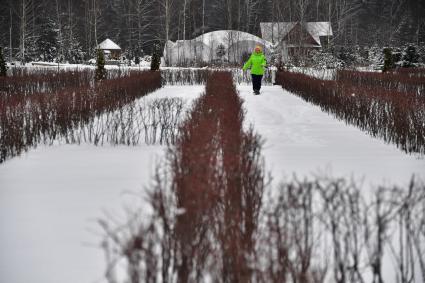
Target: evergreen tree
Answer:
pixel 156 59
pixel 410 56
pixel 100 69
pixel 73 52
pixel 388 60
pixel 3 67
pixel 46 43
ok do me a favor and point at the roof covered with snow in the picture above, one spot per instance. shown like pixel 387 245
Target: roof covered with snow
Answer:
pixel 277 31
pixel 108 44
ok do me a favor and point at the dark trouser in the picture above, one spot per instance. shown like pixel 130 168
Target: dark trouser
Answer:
pixel 256 82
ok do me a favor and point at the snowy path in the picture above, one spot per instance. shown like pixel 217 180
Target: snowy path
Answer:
pixel 51 197
pixel 302 139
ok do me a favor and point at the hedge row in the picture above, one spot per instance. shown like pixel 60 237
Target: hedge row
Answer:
pixel 412 82
pixel 43 117
pixel 395 116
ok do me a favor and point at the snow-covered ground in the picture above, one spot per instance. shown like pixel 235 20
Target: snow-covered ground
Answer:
pixel 301 139
pixel 51 197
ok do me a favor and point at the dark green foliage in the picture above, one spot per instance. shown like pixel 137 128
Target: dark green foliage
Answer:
pixel 73 52
pixel 137 60
pixel 388 60
pixel 47 42
pixel 346 56
pixel 3 67
pixel 156 59
pixel 410 56
pixel 100 63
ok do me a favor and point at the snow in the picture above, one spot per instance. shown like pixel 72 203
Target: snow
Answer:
pixel 49 202
pixel 301 139
pixel 51 197
pixel 108 44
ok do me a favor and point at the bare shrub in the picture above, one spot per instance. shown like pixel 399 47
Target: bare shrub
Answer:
pixel 409 82
pixel 26 121
pixel 194 76
pixel 397 117
pixel 153 121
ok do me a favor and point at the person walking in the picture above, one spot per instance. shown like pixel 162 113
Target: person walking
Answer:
pixel 256 63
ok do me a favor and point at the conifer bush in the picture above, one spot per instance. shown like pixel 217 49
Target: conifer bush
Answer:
pixel 156 59
pixel 410 56
pixel 3 67
pixel 100 66
pixel 388 60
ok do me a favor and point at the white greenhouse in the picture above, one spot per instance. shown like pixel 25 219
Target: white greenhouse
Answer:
pixel 225 46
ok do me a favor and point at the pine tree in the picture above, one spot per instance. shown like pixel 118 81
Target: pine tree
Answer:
pixel 156 59
pixel 388 60
pixel 100 69
pixel 410 56
pixel 74 53
pixel 3 67
pixel 46 43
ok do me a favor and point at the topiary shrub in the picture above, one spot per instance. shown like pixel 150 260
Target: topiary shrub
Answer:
pixel 3 67
pixel 100 69
pixel 156 59
pixel 388 60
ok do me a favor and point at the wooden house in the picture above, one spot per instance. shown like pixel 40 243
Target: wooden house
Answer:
pixel 295 37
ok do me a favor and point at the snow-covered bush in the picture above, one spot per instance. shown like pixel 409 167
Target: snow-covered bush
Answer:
pixel 147 58
pixel 325 60
pixel 421 53
pixel 375 57
pixel 409 57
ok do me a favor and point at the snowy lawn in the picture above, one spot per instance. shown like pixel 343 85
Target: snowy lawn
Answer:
pixel 301 139
pixel 51 197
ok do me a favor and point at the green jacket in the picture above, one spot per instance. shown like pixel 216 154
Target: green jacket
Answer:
pixel 256 63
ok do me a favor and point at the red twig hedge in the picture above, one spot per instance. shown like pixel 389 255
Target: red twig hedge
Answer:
pixel 26 121
pixel 218 180
pixel 24 84
pixel 401 81
pixel 396 115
